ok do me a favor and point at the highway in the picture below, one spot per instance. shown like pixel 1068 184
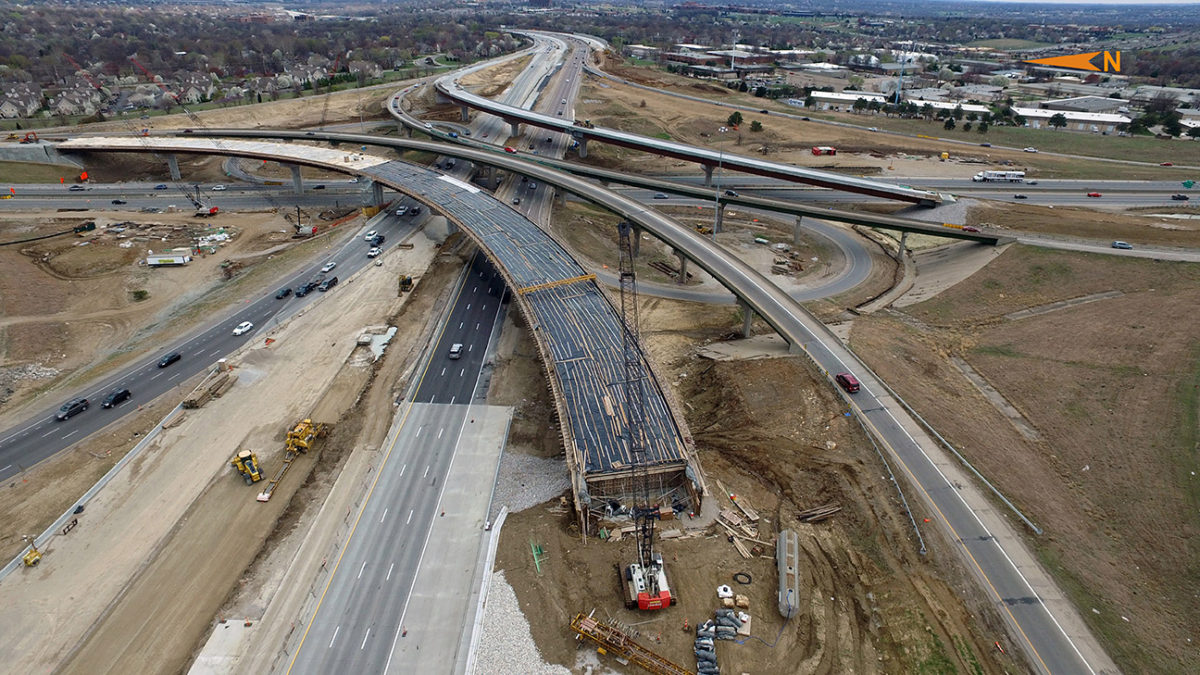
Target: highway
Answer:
pixel 449 86
pixel 363 605
pixel 40 435
pixel 1042 621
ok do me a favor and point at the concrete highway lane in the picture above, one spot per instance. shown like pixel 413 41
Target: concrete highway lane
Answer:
pixel 360 616
pixel 41 436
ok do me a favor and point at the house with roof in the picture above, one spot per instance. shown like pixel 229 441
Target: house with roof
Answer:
pixel 369 69
pixel 19 99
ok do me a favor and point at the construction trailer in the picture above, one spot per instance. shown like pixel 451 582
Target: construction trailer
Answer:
pixel 167 260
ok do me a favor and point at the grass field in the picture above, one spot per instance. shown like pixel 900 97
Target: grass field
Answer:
pixel 30 172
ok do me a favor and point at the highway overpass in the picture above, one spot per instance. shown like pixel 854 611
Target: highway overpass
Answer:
pixel 1040 617
pixel 709 159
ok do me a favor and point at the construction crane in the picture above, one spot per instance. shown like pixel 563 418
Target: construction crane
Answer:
pixel 645 579
pixel 329 90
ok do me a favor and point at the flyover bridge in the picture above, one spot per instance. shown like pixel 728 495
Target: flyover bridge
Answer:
pixel 576 328
pixel 449 87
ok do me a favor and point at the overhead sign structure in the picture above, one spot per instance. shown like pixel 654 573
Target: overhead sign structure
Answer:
pixel 1083 61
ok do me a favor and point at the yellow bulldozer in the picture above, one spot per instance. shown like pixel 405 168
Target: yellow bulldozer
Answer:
pixel 246 464
pixel 301 437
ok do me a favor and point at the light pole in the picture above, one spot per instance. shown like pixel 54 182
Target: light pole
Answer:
pixel 717 197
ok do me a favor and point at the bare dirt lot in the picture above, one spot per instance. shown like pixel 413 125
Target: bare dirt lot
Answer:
pixel 775 436
pixel 1132 225
pixel 1109 389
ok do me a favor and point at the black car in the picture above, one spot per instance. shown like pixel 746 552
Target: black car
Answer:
pixel 1179 197
pixel 378 240
pixel 71 408
pixel 327 284
pixel 169 359
pixel 283 293
pixel 76 188
pixel 414 210
pixel 119 201
pixel 318 187
pixel 731 193
pixel 116 397
pixel 307 288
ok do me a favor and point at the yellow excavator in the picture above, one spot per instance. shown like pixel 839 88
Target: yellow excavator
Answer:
pixel 246 464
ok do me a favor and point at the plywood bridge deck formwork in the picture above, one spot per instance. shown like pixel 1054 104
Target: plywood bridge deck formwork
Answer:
pixel 574 324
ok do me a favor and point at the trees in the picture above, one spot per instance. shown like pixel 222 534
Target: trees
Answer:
pixel 860 104
pixel 949 124
pixel 735 119
pixel 966 126
pixel 756 126
pixel 983 127
pixel 1058 120
pixel 958 112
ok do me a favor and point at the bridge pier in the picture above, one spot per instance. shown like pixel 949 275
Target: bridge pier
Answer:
pixel 297 181
pixel 514 128
pixel 708 172
pixel 637 240
pixel 747 317
pixel 404 129
pixel 720 219
pixel 560 198
pixel 796 231
pixel 173 166
pixel 583 148
pixel 376 194
pixel 903 244
pixel 464 113
pixel 682 266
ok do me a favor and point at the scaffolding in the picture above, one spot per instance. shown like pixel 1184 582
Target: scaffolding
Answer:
pixel 616 642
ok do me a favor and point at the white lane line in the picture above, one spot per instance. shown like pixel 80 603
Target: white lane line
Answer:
pixel 175 376
pixel 402 471
pixel 460 325
pixel 381 518
pixel 426 474
pixel 474 288
pixel 199 353
pixel 476 326
pixel 419 430
pixel 389 574
pixel 214 352
pixel 360 570
pixel 409 518
pixel 335 632
pixel 484 308
pixel 462 372
pixel 6 468
pixel 156 376
pixel 364 643
pixel 468 305
pixel 71 434
pixel 441 431
pixel 443 373
pixel 49 432
pixel 452 400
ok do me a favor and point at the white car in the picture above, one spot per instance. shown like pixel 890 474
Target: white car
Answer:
pixel 402 210
pixel 1031 149
pixel 370 235
pixel 329 266
pixel 374 252
pixel 243 328
pixel 219 188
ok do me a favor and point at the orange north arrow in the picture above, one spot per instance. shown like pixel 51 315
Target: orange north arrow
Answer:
pixel 1077 61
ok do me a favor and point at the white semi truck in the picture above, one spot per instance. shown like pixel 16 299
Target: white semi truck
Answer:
pixel 1007 176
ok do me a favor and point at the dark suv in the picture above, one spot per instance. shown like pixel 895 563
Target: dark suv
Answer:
pixel 307 288
pixel 71 408
pixel 169 359
pixel 116 397
pixel 327 284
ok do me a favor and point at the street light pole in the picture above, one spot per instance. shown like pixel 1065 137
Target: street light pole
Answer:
pixel 717 196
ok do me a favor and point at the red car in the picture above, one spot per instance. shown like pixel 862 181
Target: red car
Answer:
pixel 508 149
pixel 1093 194
pixel 970 228
pixel 1165 164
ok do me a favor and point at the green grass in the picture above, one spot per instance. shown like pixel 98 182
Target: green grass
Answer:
pixel 938 661
pixel 31 172
pixel 663 135
pixel 968 655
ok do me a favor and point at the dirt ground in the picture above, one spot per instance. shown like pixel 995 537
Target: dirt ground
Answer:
pixel 1142 227
pixel 1113 408
pixel 775 436
pixel 188 544
pixel 81 304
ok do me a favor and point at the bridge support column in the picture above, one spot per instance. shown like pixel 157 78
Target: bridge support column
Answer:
pixel 747 317
pixel 297 181
pixel 464 113
pixel 682 266
pixel 514 128
pixel 376 194
pixel 489 179
pixel 637 240
pixel 708 171
pixel 903 244
pixel 404 129
pixel 720 219
pixel 560 197
pixel 173 167
pixel 583 148
pixel 796 231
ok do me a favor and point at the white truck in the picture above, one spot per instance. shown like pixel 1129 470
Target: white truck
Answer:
pixel 1007 176
pixel 167 260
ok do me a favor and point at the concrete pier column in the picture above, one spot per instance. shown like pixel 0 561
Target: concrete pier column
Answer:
pixel 636 244
pixel 376 194
pixel 514 128
pixel 404 129
pixel 297 181
pixel 747 317
pixel 583 148
pixel 796 231
pixel 708 171
pixel 464 113
pixel 560 197
pixel 682 266
pixel 173 166
pixel 720 220
pixel 903 243
pixel 489 179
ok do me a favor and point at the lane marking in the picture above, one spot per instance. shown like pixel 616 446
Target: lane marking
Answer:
pixel 462 372
pixel 419 430
pixel 426 475
pixel 156 376
pixel 443 373
pixel 49 432
pixel 174 376
pixel 364 642
pixel 389 574
pixel 360 570
pixel 460 325
pixel 6 468
pixel 452 400
pixel 441 431
pixel 409 518
pixel 381 518
pixel 335 632
pixel 402 471
pixel 71 434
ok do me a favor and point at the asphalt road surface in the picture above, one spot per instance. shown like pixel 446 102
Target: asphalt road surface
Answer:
pixel 41 435
pixel 362 608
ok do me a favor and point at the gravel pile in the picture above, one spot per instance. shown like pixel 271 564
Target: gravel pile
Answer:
pixel 505 643
pixel 525 481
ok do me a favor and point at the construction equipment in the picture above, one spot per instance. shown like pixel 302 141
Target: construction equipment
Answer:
pixel 34 556
pixel 246 463
pixel 299 440
pixel 406 283
pixel 616 642
pixel 30 137
pixel 644 580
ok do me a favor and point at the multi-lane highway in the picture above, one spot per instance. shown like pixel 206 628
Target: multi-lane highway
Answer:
pixel 41 435
pixel 362 607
